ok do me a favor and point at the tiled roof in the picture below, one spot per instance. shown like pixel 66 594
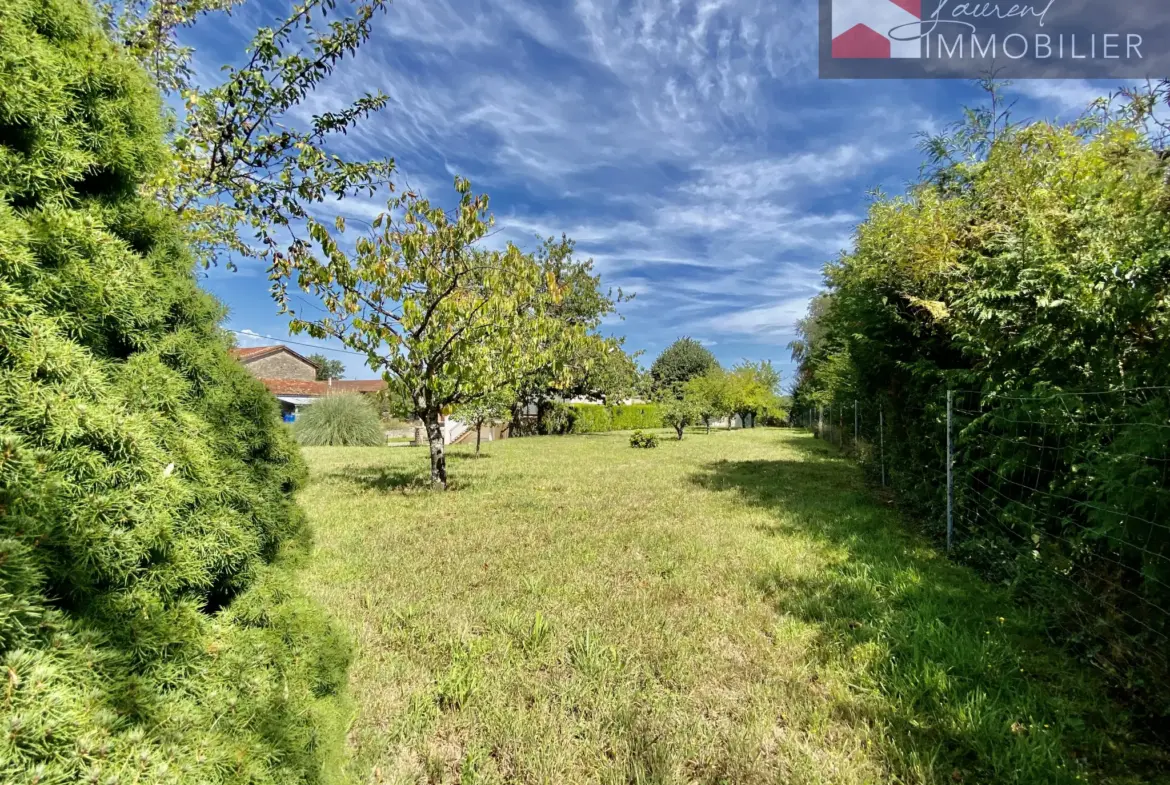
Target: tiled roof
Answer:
pixel 317 389
pixel 250 352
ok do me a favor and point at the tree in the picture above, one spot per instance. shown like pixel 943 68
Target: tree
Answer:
pixel 150 626
pixel 246 171
pixel 753 390
pixel 614 375
pixel 490 408
pixel 678 413
pixel 709 395
pixel 596 366
pixel 327 369
pixel 445 320
pixel 680 362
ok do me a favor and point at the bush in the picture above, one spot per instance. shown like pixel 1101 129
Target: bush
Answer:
pixel 634 416
pixel 149 627
pixel 555 418
pixel 1035 280
pixel 643 440
pixel 591 418
pixel 347 420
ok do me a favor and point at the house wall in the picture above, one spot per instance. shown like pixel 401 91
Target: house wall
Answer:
pixel 281 366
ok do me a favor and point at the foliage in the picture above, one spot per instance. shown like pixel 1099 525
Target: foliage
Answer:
pixel 714 579
pixel 449 321
pixel 643 440
pixel 492 407
pixel 327 369
pixel 636 415
pixel 344 420
pixel 680 362
pixel 149 629
pixel 710 396
pixel 594 365
pixel 678 413
pixel 591 418
pixel 1035 266
pixel 751 390
pixel 614 376
pixel 248 155
pixel 555 418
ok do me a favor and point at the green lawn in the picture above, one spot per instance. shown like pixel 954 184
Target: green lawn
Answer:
pixel 733 608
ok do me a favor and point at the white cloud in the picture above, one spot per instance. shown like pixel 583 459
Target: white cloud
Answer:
pixel 1068 95
pixel 766 322
pixel 247 338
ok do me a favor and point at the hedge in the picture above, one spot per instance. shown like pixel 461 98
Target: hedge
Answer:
pixel 150 628
pixel 591 418
pixel 639 415
pixel 596 418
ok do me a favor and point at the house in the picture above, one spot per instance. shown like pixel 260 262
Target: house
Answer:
pixel 292 377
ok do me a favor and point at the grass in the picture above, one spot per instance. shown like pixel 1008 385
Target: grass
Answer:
pixel 732 608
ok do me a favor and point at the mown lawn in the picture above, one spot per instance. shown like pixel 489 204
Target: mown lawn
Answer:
pixel 732 608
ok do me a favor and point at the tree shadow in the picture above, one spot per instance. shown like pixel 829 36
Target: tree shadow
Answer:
pixel 467 456
pixel 962 684
pixel 384 479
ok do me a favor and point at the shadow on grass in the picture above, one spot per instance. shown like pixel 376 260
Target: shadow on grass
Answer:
pixel 467 456
pixel 961 685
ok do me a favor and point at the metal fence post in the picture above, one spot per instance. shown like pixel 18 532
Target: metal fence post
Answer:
pixel 882 439
pixel 950 471
pixel 854 424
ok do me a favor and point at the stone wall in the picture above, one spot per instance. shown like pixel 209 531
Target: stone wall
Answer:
pixel 281 366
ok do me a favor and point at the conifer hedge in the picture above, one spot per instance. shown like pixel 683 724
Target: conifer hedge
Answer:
pixel 149 629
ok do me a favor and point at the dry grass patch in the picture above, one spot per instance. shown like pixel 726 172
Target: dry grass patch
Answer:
pixel 732 608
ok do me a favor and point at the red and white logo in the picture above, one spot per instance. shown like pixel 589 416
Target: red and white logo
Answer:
pixel 862 29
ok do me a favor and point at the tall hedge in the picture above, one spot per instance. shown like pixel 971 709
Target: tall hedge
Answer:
pixel 1036 282
pixel 149 630
pixel 596 418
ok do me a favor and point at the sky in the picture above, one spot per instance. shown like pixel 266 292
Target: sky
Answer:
pixel 688 148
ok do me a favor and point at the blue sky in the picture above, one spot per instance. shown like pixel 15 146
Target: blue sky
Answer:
pixel 688 148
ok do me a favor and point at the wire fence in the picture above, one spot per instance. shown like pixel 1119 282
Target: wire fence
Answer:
pixel 1061 495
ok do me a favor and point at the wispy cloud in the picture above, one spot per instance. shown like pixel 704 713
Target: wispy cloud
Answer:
pixel 685 144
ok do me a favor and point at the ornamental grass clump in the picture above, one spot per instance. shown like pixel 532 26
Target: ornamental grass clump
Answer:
pixel 150 630
pixel 347 420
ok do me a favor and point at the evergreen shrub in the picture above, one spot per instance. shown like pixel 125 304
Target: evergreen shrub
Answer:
pixel 150 630
pixel 347 420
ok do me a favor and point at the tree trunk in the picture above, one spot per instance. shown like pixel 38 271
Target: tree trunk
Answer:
pixel 679 429
pixel 438 454
pixel 707 422
pixel 517 418
pixel 478 434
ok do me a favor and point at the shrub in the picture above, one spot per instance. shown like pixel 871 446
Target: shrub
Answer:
pixel 149 627
pixel 1035 280
pixel 591 418
pixel 643 440
pixel 555 418
pixel 634 416
pixel 347 420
